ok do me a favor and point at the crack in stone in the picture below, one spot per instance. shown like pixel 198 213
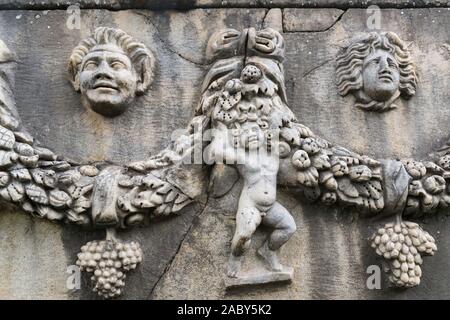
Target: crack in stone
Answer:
pixel 166 45
pixel 336 21
pixel 339 18
pixel 316 67
pixel 264 18
pixel 169 264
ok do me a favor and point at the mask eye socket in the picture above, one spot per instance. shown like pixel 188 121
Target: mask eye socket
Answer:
pixel 117 65
pixel 392 64
pixel 90 65
pixel 375 61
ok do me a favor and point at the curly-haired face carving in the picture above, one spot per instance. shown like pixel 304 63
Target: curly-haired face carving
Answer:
pixel 376 69
pixel 109 69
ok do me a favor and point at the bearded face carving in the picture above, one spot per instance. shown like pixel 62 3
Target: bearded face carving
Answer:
pixel 109 69
pixel 376 69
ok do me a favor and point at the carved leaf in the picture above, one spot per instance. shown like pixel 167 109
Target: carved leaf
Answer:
pixel 29 162
pixel 24 149
pixel 81 204
pixel 45 154
pixel 16 191
pixel 291 135
pixel 374 192
pixel 124 201
pixel 7 158
pixel 7 139
pixel 36 194
pixel 147 199
pixel 304 131
pixel 309 177
pixel 170 196
pixel 69 177
pixel 4 179
pixel 23 137
pixel 28 207
pixel 346 186
pixel 75 217
pixel 49 213
pixel 59 199
pixel 22 175
pixel 152 182
pixel 321 161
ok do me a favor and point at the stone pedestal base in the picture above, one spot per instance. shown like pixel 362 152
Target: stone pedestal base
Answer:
pixel 259 277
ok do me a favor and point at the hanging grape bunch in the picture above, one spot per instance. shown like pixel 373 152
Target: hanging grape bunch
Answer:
pixel 109 260
pixel 402 245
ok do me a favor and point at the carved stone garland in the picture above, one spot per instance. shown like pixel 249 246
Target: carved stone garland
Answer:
pixel 244 102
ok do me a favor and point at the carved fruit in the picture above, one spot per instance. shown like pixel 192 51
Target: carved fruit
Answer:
pixel 310 146
pixel 360 173
pixel 321 161
pixel 227 101
pixel 415 169
pixel 284 149
pixel 291 135
pixel 444 162
pixel 300 160
pixel 251 74
pixel 434 184
pixel 401 244
pixel 109 260
pixel 89 171
pixel 233 86
pixel 309 177
pixel 339 168
pixel 329 197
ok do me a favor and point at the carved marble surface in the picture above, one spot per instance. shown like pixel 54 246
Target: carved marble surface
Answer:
pixel 309 145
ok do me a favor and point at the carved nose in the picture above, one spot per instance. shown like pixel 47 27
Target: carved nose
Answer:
pixel 102 74
pixel 384 67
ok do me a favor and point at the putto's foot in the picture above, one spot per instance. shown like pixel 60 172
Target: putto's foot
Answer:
pixel 234 265
pixel 270 257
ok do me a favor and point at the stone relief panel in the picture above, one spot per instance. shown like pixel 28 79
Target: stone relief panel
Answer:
pixel 244 101
pixel 377 69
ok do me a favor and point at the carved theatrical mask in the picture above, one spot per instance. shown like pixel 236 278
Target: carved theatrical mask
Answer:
pixel 109 69
pixel 376 69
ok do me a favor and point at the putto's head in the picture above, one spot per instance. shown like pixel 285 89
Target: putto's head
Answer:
pixel 376 69
pixel 109 69
pixel 250 135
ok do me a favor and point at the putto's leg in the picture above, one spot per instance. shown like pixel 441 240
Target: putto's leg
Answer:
pixel 247 220
pixel 284 227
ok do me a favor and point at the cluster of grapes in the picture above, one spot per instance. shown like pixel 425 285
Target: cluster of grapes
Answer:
pixel 109 260
pixel 402 244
